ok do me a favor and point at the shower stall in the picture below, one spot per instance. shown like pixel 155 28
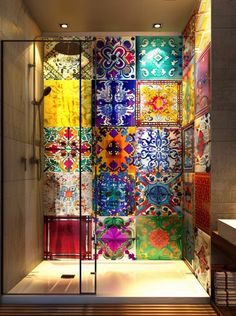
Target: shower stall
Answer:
pixel 103 146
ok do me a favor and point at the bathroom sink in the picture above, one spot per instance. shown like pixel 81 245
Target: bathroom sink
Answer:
pixel 227 229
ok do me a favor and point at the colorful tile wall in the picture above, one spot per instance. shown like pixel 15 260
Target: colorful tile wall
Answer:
pixel 115 102
pixel 159 103
pixel 115 238
pixel 188 94
pixel 189 41
pixel 159 57
pixel 202 201
pixel 159 237
pixel 188 193
pixel 201 263
pixel 158 194
pixel 202 143
pixel 188 238
pixel 159 148
pixel 115 57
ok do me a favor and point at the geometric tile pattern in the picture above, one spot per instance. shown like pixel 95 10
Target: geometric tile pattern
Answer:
pixel 159 103
pixel 159 238
pixel 188 148
pixel 158 193
pixel 188 239
pixel 159 58
pixel 188 94
pixel 188 192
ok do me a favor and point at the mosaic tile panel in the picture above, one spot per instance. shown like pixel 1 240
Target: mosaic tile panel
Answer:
pixel 189 41
pixel 158 194
pixel 188 195
pixel 62 237
pixel 202 84
pixel 188 94
pixel 159 103
pixel 159 237
pixel 202 143
pixel 61 196
pixel 201 261
pixel 188 144
pixel 202 27
pixel 202 201
pixel 115 194
pixel 61 106
pixel 115 149
pixel 159 148
pixel 115 58
pixel 62 147
pixel 188 238
pixel 159 58
pixel 115 238
pixel 62 60
pixel 115 102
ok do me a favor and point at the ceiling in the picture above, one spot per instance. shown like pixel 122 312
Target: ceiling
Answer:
pixel 110 15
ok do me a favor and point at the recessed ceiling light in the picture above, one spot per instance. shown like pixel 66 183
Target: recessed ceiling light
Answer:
pixel 64 25
pixel 157 25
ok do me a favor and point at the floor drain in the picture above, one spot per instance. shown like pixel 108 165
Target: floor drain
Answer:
pixel 67 276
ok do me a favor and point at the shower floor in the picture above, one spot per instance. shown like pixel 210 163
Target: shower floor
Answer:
pixel 134 279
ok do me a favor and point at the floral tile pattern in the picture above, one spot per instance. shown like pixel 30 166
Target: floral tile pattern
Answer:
pixel 188 196
pixel 158 193
pixel 159 237
pixel 159 58
pixel 115 149
pixel 61 64
pixel 202 201
pixel 115 194
pixel 115 102
pixel 188 144
pixel 202 143
pixel 115 238
pixel 115 58
pixel 62 147
pixel 189 41
pixel 188 238
pixel 62 194
pixel 202 262
pixel 159 148
pixel 159 103
pixel 202 83
pixel 188 94
pixel 62 105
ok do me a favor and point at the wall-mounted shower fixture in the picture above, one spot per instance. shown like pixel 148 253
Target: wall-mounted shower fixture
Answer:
pixel 46 92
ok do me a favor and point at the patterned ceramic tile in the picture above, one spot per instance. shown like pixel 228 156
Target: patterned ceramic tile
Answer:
pixel 202 143
pixel 202 259
pixel 62 105
pixel 202 201
pixel 115 58
pixel 62 147
pixel 115 149
pixel 159 103
pixel 188 146
pixel 202 27
pixel 189 41
pixel 115 238
pixel 61 193
pixel 188 94
pixel 188 192
pixel 115 102
pixel 62 60
pixel 159 237
pixel 188 238
pixel 158 194
pixel 159 58
pixel 62 237
pixel 159 148
pixel 202 84
pixel 115 194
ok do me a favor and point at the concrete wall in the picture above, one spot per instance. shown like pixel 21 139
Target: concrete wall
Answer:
pixel 22 215
pixel 223 194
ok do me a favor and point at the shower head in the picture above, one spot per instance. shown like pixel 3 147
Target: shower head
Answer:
pixel 68 48
pixel 46 92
